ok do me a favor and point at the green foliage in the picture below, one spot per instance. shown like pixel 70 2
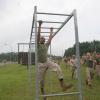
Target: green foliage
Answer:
pixel 84 47
pixel 8 56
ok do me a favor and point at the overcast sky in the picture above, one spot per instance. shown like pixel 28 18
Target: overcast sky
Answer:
pixel 16 21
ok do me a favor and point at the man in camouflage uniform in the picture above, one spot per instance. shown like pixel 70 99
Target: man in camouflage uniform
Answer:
pixel 89 69
pixel 44 63
pixel 97 67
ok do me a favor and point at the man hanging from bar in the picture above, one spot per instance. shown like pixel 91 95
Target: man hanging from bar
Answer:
pixel 44 63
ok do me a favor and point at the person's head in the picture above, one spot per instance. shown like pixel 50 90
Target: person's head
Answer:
pixel 42 40
pixel 97 55
pixel 73 56
pixel 88 55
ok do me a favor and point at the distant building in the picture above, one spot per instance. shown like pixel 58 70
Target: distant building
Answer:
pixel 23 58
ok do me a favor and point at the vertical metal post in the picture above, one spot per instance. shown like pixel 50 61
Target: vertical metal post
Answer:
pixel 18 54
pixel 50 82
pixel 77 54
pixel 36 55
pixel 18 47
pixel 29 70
pixel 30 60
pixel 50 50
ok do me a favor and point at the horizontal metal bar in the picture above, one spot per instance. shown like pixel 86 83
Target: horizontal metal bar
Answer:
pixel 45 36
pixel 51 22
pixel 47 27
pixel 33 35
pixel 33 41
pixel 24 43
pixel 53 14
pixel 61 94
pixel 32 38
pixel 45 32
pixel 66 20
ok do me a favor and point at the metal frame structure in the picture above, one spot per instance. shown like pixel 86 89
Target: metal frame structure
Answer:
pixel 22 44
pixel 19 44
pixel 34 36
pixel 29 65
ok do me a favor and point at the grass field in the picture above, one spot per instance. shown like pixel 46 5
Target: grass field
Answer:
pixel 14 84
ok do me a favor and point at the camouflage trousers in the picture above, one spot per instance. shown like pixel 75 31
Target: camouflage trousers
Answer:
pixel 89 73
pixel 97 70
pixel 49 65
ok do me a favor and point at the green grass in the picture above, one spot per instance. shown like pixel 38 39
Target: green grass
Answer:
pixel 14 84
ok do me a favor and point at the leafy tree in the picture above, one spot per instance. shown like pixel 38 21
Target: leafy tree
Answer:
pixel 8 56
pixel 84 47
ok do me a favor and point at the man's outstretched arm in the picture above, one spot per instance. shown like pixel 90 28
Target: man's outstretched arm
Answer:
pixel 50 36
pixel 39 31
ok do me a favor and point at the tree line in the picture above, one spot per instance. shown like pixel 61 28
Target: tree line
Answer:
pixel 93 46
pixel 11 56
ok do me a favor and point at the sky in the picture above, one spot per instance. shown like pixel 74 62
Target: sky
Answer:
pixel 16 21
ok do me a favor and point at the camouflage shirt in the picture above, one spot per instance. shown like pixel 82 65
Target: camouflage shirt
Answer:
pixel 89 63
pixel 42 52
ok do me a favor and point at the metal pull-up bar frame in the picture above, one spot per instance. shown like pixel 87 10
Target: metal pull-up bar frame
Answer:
pixel 51 22
pixel 53 14
pixel 34 26
pixel 47 27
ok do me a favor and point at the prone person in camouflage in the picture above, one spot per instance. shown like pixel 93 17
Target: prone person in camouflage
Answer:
pixel 44 63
